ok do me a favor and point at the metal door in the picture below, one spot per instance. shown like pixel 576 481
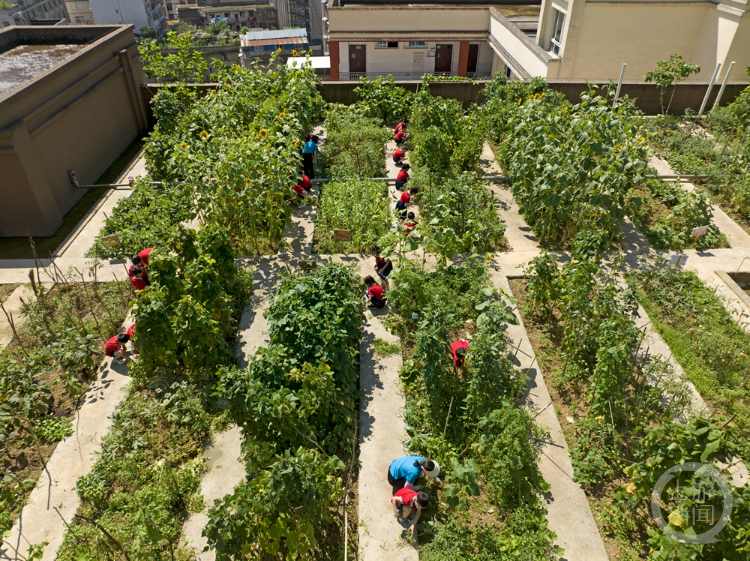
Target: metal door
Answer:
pixel 443 59
pixel 357 58
pixel 418 63
pixel 473 57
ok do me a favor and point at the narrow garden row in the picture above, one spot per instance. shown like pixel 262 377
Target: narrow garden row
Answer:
pixel 620 405
pixel 469 419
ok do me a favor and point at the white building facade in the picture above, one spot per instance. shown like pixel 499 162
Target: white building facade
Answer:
pixel 140 13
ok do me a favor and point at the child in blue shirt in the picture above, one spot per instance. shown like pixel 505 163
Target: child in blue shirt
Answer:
pixel 309 152
pixel 404 472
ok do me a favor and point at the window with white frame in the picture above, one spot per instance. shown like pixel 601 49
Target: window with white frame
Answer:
pixel 416 44
pixel 555 37
pixel 386 45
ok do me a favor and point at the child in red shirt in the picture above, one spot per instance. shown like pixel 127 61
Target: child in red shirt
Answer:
pixel 140 260
pixel 383 267
pixel 306 183
pixel 398 155
pixel 131 333
pixel 410 224
pixel 375 294
pixel 405 501
pixel 405 199
pixel 137 280
pixel 402 177
pixel 401 135
pixel 401 125
pixel 300 190
pixel 117 348
pixel 458 352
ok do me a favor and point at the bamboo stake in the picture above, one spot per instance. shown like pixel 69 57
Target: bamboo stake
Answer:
pixel 91 307
pixel 13 328
pixel 447 417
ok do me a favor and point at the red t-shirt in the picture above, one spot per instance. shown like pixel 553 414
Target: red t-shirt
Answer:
pixel 405 197
pixel 460 344
pixel 379 262
pixel 298 189
pixel 144 254
pixel 402 176
pixel 138 284
pixel 112 346
pixel 398 153
pixel 131 274
pixel 398 127
pixel 306 183
pixel 409 226
pixel 376 291
pixel 400 135
pixel 131 330
pixel 407 496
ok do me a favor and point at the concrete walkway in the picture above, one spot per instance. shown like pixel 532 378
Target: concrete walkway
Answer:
pixel 72 458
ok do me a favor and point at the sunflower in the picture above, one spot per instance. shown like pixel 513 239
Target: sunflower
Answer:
pixel 183 144
pixel 675 518
pixel 294 52
pixel 213 92
pixel 263 133
pixel 248 181
pixel 296 143
pixel 225 85
pixel 281 115
pixel 204 135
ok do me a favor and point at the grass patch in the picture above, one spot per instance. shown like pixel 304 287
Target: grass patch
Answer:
pixel 19 248
pixel 358 206
pixel 713 350
pixel 384 348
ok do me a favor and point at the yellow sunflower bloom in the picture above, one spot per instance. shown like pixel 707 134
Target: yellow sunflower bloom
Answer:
pixel 550 136
pixel 281 115
pixel 248 180
pixel 225 84
pixel 565 111
pixel 263 133
pixel 213 92
pixel 294 52
pixel 183 144
pixel 204 135
pixel 296 143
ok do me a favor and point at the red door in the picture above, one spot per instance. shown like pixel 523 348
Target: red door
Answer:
pixel 471 68
pixel 357 58
pixel 443 59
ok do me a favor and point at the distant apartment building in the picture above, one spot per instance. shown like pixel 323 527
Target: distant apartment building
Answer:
pixel 29 12
pixel 79 12
pixel 141 13
pixel 555 39
pixel 252 16
pixel 305 14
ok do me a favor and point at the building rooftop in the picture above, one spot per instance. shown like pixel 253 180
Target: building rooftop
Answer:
pixel 271 34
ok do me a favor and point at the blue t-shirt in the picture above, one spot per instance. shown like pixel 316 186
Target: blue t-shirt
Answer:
pixel 309 147
pixel 404 467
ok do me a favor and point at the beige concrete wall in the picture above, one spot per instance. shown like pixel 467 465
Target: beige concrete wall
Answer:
pixel 79 116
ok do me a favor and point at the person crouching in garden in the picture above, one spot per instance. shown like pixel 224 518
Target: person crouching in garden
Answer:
pixel 401 125
pixel 137 280
pixel 398 156
pixel 410 223
pixel 383 267
pixel 402 177
pixel 400 137
pixel 117 348
pixel 404 472
pixel 405 502
pixel 301 192
pixel 375 294
pixel 405 201
pixel 306 183
pixel 458 352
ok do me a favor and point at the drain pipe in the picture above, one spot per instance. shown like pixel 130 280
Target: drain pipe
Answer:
pixel 738 268
pixel 710 87
pixel 723 85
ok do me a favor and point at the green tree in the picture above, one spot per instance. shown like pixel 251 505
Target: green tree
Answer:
pixel 186 65
pixel 146 32
pixel 670 73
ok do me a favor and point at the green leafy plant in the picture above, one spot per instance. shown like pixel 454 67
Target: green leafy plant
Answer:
pixel 384 348
pixel 53 429
pixel 380 98
pixel 669 73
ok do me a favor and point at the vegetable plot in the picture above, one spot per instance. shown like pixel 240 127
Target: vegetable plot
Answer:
pixel 296 404
pixel 44 372
pixel 571 166
pixel 469 421
pixel 355 145
pixel 619 410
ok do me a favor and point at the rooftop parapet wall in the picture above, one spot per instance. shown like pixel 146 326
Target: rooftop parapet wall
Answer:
pixel 79 115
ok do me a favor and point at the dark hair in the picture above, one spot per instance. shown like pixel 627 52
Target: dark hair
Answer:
pixel 410 215
pixel 123 338
pixel 314 138
pixel 406 166
pixel 375 248
pixel 428 465
pixel 406 120
pixel 136 259
pixel 423 498
pixel 414 190
pixel 369 280
pixel 137 270
pixel 461 352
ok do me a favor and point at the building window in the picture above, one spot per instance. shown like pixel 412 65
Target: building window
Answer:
pixel 416 45
pixel 555 38
pixel 386 45
pixel 79 19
